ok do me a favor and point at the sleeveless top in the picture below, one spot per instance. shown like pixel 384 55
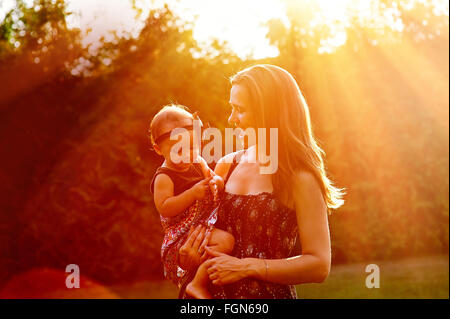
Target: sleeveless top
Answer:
pixel 262 228
pixel 182 181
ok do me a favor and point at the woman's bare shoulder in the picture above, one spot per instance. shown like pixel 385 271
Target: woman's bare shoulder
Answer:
pixel 306 187
pixel 307 192
pixel 228 159
pixel 305 179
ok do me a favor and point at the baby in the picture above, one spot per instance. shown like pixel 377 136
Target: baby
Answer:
pixel 185 195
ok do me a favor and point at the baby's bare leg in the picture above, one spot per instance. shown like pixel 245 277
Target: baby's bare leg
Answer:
pixel 220 241
pixel 197 288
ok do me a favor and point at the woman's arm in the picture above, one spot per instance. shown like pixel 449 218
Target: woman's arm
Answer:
pixel 314 263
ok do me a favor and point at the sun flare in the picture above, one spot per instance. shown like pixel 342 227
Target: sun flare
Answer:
pixel 242 24
pixel 336 10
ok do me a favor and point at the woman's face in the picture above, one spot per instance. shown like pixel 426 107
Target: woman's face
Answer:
pixel 240 113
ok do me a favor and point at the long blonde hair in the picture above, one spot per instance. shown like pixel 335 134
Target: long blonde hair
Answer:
pixel 277 102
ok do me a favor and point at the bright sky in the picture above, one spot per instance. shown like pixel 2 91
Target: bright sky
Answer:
pixel 236 21
pixel 239 22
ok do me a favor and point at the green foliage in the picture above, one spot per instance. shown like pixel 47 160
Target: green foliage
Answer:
pixel 31 28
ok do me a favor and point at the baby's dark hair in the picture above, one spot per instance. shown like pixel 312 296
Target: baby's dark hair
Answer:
pixel 168 113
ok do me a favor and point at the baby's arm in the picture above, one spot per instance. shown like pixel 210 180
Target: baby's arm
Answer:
pixel 169 205
pixel 207 172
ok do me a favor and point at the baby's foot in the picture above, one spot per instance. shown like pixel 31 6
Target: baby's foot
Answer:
pixel 197 291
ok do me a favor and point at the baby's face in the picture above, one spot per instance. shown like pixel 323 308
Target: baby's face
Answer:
pixel 179 152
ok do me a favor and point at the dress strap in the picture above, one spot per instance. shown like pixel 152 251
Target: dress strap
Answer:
pixel 234 164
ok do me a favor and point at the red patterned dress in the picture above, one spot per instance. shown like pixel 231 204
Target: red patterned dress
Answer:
pixel 176 228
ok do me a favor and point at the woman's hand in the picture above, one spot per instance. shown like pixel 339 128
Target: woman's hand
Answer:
pixel 224 269
pixel 193 253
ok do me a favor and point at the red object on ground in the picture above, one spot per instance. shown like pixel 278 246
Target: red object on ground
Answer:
pixel 45 283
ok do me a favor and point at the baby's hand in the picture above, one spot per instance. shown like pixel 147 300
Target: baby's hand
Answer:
pixel 214 189
pixel 201 188
pixel 216 185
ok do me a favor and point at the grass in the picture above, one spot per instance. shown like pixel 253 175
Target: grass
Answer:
pixel 417 278
pixel 147 290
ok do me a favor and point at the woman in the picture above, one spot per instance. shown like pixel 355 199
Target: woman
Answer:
pixel 268 214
